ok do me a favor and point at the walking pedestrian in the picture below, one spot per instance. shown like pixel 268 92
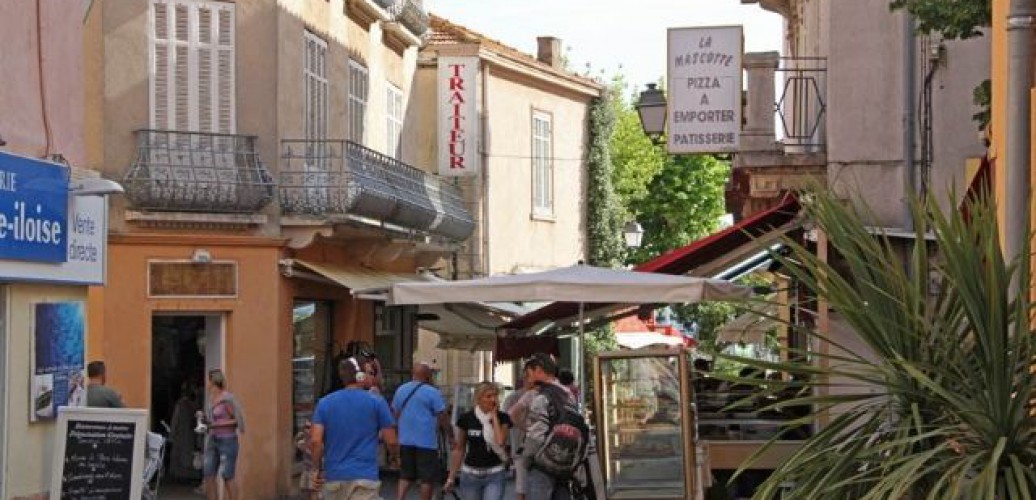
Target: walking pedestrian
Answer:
pixel 98 394
pixel 224 420
pixel 517 407
pixel 346 427
pixel 420 410
pixel 480 450
pixel 542 369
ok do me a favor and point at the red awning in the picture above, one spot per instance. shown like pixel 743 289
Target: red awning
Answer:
pixel 703 257
pixel 981 185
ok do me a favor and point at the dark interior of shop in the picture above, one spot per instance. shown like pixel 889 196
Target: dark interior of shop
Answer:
pixel 177 390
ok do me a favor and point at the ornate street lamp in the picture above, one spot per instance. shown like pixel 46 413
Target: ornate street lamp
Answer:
pixel 652 110
pixel 633 232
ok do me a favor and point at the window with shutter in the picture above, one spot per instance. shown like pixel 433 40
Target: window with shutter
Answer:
pixel 394 121
pixel 542 165
pixel 192 66
pixel 318 154
pixel 315 75
pixel 359 86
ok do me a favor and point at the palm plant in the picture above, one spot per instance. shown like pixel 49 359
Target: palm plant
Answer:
pixel 941 406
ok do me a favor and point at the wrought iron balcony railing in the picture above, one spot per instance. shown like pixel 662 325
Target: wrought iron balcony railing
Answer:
pixel 411 14
pixel 197 172
pixel 335 177
pixel 802 106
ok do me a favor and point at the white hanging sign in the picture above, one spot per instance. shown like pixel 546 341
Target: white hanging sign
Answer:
pixel 458 120
pixel 704 89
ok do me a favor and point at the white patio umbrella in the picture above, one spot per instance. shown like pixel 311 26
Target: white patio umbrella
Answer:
pixel 581 284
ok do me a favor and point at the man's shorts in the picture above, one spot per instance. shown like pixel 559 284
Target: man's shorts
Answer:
pixel 419 464
pixel 361 489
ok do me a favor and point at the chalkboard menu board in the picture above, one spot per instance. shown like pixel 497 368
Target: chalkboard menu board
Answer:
pixel 98 460
pixel 98 453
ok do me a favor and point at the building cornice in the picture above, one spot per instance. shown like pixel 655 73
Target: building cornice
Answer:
pixel 520 65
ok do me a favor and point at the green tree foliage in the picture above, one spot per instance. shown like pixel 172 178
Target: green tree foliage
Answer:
pixel 942 407
pixel 677 199
pixel 605 213
pixel 685 203
pixel 636 159
pixel 953 19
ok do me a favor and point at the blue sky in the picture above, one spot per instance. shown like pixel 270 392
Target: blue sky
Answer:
pixel 609 34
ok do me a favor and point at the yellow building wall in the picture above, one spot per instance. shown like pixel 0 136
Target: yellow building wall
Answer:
pixel 29 446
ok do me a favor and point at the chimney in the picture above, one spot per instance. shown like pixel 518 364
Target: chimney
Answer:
pixel 549 51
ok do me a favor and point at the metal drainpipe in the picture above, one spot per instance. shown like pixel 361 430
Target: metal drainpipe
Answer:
pixel 484 133
pixel 1019 105
pixel 909 118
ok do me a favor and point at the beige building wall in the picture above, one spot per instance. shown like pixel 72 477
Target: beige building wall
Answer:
pixel 508 237
pixel 866 89
pixel 519 241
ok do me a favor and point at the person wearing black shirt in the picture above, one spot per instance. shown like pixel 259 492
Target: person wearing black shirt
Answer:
pixel 479 452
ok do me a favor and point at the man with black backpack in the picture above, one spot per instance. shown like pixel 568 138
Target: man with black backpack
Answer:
pixel 557 437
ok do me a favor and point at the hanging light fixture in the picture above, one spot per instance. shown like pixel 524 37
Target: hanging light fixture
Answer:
pixel 651 107
pixel 633 232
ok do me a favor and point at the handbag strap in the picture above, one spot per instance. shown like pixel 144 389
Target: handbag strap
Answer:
pixel 407 400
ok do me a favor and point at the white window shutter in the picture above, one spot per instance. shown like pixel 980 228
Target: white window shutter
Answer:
pixel 206 77
pixel 226 78
pixel 192 84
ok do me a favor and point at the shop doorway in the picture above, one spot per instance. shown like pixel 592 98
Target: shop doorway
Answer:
pixel 184 348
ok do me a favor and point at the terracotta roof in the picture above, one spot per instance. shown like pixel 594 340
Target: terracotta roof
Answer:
pixel 444 32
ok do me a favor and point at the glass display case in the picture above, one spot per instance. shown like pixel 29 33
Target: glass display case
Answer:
pixel 642 403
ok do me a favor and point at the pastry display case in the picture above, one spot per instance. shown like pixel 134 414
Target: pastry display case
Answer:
pixel 644 416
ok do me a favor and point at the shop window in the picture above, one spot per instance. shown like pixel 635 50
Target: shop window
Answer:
pixel 394 331
pixel 311 329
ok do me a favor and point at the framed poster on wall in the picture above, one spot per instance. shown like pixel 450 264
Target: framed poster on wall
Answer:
pixel 58 358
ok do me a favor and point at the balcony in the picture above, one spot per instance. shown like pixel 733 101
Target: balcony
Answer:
pixel 411 14
pixel 370 11
pixel 796 123
pixel 197 172
pixel 336 179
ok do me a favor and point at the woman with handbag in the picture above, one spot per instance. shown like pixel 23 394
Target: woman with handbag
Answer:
pixel 479 452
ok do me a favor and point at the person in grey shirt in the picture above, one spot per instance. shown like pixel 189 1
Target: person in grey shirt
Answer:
pixel 99 395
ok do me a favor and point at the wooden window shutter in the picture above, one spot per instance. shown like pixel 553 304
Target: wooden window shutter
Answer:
pixel 226 80
pixel 192 83
pixel 160 58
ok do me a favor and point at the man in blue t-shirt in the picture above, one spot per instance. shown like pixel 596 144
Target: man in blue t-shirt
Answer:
pixel 345 432
pixel 420 410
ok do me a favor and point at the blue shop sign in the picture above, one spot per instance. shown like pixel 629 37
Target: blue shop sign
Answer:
pixel 33 209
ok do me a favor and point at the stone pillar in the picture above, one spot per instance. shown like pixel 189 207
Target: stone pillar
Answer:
pixel 758 131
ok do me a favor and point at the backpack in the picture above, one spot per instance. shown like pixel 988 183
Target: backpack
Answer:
pixel 568 436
